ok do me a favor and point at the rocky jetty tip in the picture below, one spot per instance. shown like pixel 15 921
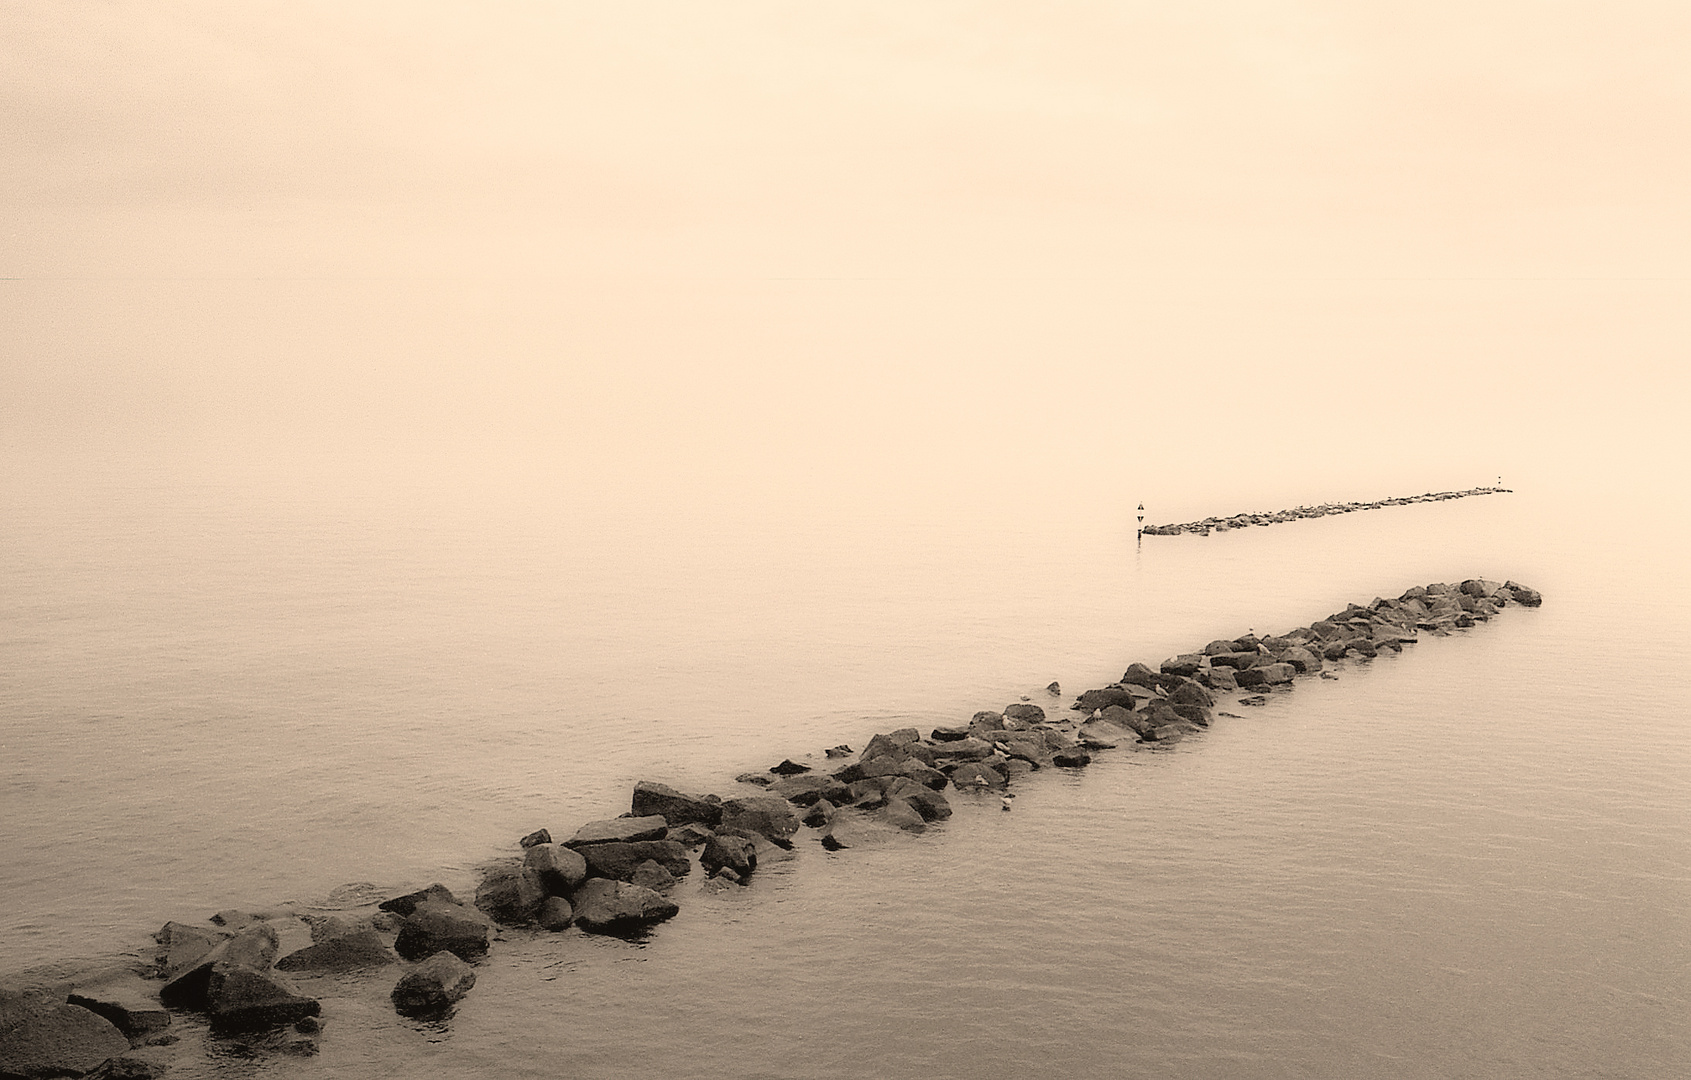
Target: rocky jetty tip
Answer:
pixel 250 974
pixel 1300 513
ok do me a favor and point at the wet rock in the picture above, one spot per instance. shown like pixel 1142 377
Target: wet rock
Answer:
pixel 539 836
pixel 182 946
pixel 819 814
pixel 1185 665
pixel 1032 714
pixel 767 815
pixel 362 948
pixel 651 875
pixel 1256 699
pixel 618 862
pixel 1071 759
pixel 789 767
pixel 405 905
pixel 764 779
pixel 1139 675
pixel 617 907
pixel 806 790
pixel 975 775
pixel 948 734
pixel 560 869
pixel 239 998
pixel 1093 700
pixel 735 852
pixel 435 926
pixel 253 948
pixel 1302 660
pixel 433 986
pixel 987 720
pixel 1218 647
pixel 840 751
pixel 1524 595
pixel 1095 735
pixel 970 749
pixel 690 835
pixel 510 895
pixel 619 831
pixel 555 914
pixel 660 800
pixel 1219 678
pixel 1191 693
pixel 43 1038
pixel 929 803
pixel 901 815
pixel 128 1001
pixel 1054 688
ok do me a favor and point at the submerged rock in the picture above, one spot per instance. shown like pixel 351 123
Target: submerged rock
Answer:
pixel 767 815
pixel 128 1001
pixel 239 998
pixel 433 986
pixel 43 1038
pixel 617 907
pixel 676 808
pixel 619 831
pixel 358 949
pixel 735 852
pixel 559 869
pixel 436 926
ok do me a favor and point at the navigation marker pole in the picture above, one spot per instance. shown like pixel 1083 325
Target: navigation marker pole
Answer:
pixel 1139 533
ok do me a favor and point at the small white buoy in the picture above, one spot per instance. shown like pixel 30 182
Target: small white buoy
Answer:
pixel 1006 801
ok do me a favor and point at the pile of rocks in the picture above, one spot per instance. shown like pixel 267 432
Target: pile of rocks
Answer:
pixel 615 876
pixel 1240 521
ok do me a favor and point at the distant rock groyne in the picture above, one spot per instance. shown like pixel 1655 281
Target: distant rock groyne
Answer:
pixel 249 981
pixel 1240 521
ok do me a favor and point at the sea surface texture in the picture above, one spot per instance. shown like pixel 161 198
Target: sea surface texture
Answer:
pixel 1472 859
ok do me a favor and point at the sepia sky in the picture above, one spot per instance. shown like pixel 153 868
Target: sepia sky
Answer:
pixel 1344 248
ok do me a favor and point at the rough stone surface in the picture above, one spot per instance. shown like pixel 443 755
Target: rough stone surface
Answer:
pixel 510 895
pixel 617 907
pixel 182 946
pixel 433 986
pixel 130 1002
pixel 660 800
pixel 1025 712
pixel 619 861
pixel 560 869
pixel 435 926
pixel 735 852
pixel 975 775
pixel 555 914
pixel 539 836
pixel 619 831
pixel 254 948
pixel 46 1038
pixel 651 875
pixel 239 998
pixel 359 949
pixel 768 815
pixel 405 905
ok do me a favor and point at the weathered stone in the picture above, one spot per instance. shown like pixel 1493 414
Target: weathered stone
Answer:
pixel 1216 648
pixel 1219 678
pixel 735 852
pixel 805 790
pixel 433 986
pixel 1185 665
pixel 405 905
pixel 929 803
pixel 1190 693
pixel 560 869
pixel 510 895
pixel 764 779
pixel 555 914
pixel 651 875
pixel 675 807
pixel 619 861
pixel 840 751
pixel 926 775
pixel 819 814
pixel 1071 759
pixel 1167 733
pixel 617 907
pixel 1054 688
pixel 40 1038
pixel 948 734
pixel 358 949
pixel 768 815
pixel 1093 700
pixel 1524 595
pixel 128 1001
pixel 1139 675
pixel 254 948
pixel 789 767
pixel 182 947
pixel 435 925
pixel 239 998
pixel 900 814
pixel 539 836
pixel 970 749
pixel 690 835
pixel 1024 711
pixel 975 775
pixel 619 831
pixel 987 720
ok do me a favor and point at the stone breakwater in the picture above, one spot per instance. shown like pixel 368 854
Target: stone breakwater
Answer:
pixel 247 978
pixel 1240 521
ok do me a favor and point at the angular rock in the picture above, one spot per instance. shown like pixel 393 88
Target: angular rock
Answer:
pixel 1190 693
pixel 1071 759
pixel 433 986
pixel 405 905
pixel 735 852
pixel 1096 735
pixel 359 949
pixel 690 835
pixel 1524 595
pixel 555 914
pixel 49 1038
pixel 1219 678
pixel 1023 711
pixel 929 803
pixel 987 720
pixel 970 749
pixel 435 926
pixel 510 895
pixel 560 869
pixel 651 875
pixel 901 815
pixel 128 1001
pixel 619 831
pixel 253 948
pixel 819 814
pixel 1093 700
pixel 974 776
pixel 805 790
pixel 1139 675
pixel 764 779
pixel 789 767
pixel 677 808
pixel 948 734
pixel 539 836
pixel 617 907
pixel 767 815
pixel 618 862
pixel 182 947
pixel 1185 665
pixel 239 998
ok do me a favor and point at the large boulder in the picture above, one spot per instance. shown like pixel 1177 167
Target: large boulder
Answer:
pixel 619 861
pixel 619 831
pixel 1093 700
pixel 43 1038
pixel 617 907
pixel 766 815
pixel 1305 661
pixel 1185 665
pixel 238 998
pixel 182 946
pixel 130 1002
pixel 433 986
pixel 805 790
pixel 1219 678
pixel 975 775
pixel 1025 712
pixel 555 914
pixel 1139 675
pixel 560 869
pixel 1190 693
pixel 970 749
pixel 900 814
pixel 435 926
pixel 660 800
pixel 362 948
pixel 510 895
pixel 738 853
pixel 1524 595
pixel 254 948
pixel 929 803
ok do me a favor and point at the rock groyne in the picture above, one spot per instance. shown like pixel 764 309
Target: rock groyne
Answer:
pixel 249 976
pixel 1300 513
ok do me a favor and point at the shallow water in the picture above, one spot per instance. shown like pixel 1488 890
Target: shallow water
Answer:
pixel 1470 859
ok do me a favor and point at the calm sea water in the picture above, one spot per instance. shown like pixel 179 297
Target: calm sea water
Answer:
pixel 1473 859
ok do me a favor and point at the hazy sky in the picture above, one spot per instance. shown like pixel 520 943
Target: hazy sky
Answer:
pixel 1343 246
